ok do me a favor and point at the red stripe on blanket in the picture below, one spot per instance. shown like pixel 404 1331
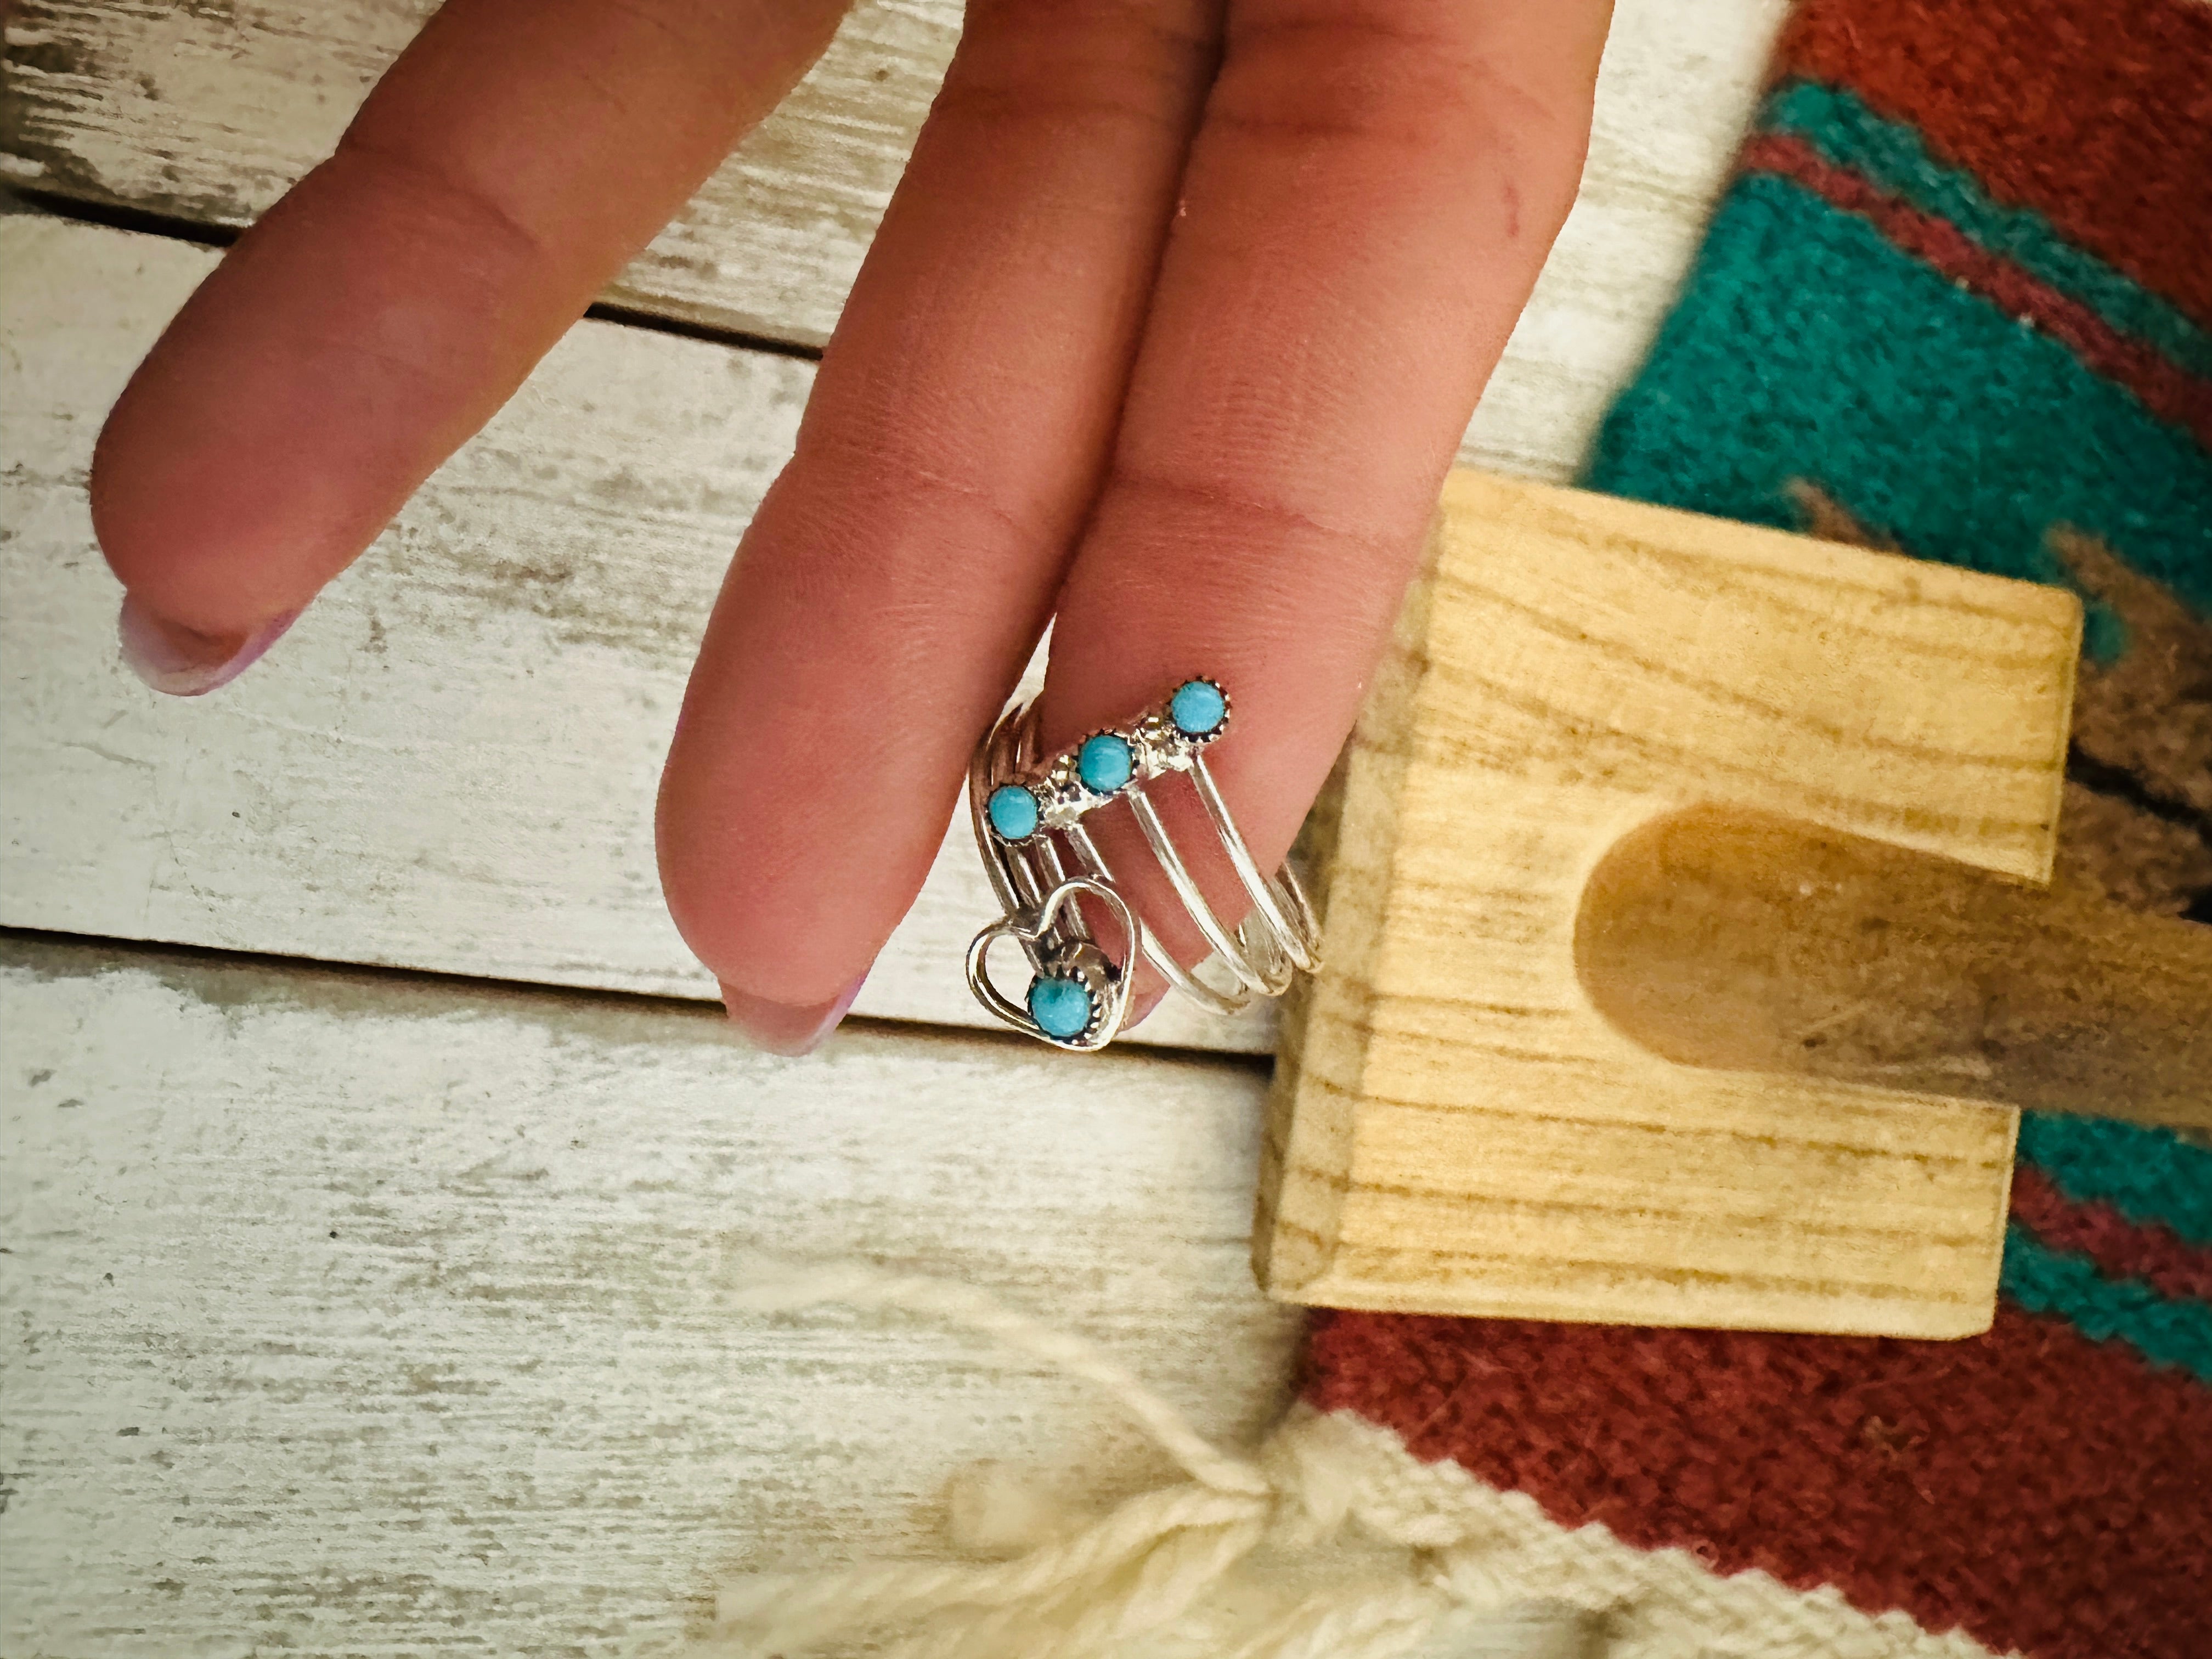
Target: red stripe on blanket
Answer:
pixel 2165 391
pixel 2096 113
pixel 2050 1494
pixel 2121 1248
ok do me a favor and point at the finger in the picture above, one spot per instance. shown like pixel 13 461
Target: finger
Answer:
pixel 1373 188
pixel 515 156
pixel 896 579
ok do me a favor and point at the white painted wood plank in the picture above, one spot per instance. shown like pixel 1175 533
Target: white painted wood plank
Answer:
pixel 207 114
pixel 354 1314
pixel 450 762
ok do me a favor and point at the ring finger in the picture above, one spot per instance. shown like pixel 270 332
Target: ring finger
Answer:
pixel 1368 201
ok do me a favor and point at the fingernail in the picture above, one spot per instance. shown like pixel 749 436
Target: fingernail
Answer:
pixel 781 1029
pixel 182 662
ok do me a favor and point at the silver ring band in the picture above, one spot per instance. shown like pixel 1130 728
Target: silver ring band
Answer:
pixel 1027 812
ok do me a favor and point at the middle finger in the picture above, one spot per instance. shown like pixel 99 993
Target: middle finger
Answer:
pixel 900 571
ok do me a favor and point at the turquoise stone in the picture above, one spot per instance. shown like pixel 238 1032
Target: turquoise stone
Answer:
pixel 1013 812
pixel 1197 708
pixel 1061 1007
pixel 1104 762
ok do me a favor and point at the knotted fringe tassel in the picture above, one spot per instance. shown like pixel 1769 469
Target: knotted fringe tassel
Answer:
pixel 1146 1578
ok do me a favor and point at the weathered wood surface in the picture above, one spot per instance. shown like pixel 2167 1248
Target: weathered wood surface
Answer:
pixel 450 762
pixel 207 113
pixel 1455 1127
pixel 353 1314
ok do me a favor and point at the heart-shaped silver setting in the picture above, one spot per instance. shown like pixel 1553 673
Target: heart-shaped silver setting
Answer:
pixel 1061 947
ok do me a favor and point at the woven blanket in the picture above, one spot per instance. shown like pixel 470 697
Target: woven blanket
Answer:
pixel 1957 301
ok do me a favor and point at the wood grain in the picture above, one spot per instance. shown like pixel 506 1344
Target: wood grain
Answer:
pixel 450 762
pixel 1715 936
pixel 1455 1128
pixel 207 113
pixel 350 1314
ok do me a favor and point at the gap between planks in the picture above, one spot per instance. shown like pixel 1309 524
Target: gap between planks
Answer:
pixel 115 216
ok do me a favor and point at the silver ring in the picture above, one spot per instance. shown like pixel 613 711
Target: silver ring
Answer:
pixel 1028 811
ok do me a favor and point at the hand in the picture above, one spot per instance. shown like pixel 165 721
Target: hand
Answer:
pixel 1170 333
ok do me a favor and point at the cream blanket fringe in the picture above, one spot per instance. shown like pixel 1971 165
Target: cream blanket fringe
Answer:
pixel 1450 1566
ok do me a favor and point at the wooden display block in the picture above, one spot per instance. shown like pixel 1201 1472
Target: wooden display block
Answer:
pixel 1455 1128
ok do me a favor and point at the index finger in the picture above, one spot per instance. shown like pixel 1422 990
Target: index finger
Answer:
pixel 510 162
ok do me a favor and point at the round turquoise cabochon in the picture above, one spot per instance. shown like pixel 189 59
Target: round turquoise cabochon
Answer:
pixel 1061 1007
pixel 1104 762
pixel 1013 812
pixel 1197 708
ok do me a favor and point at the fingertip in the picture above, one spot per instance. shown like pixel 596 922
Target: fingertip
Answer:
pixel 182 662
pixel 1142 1003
